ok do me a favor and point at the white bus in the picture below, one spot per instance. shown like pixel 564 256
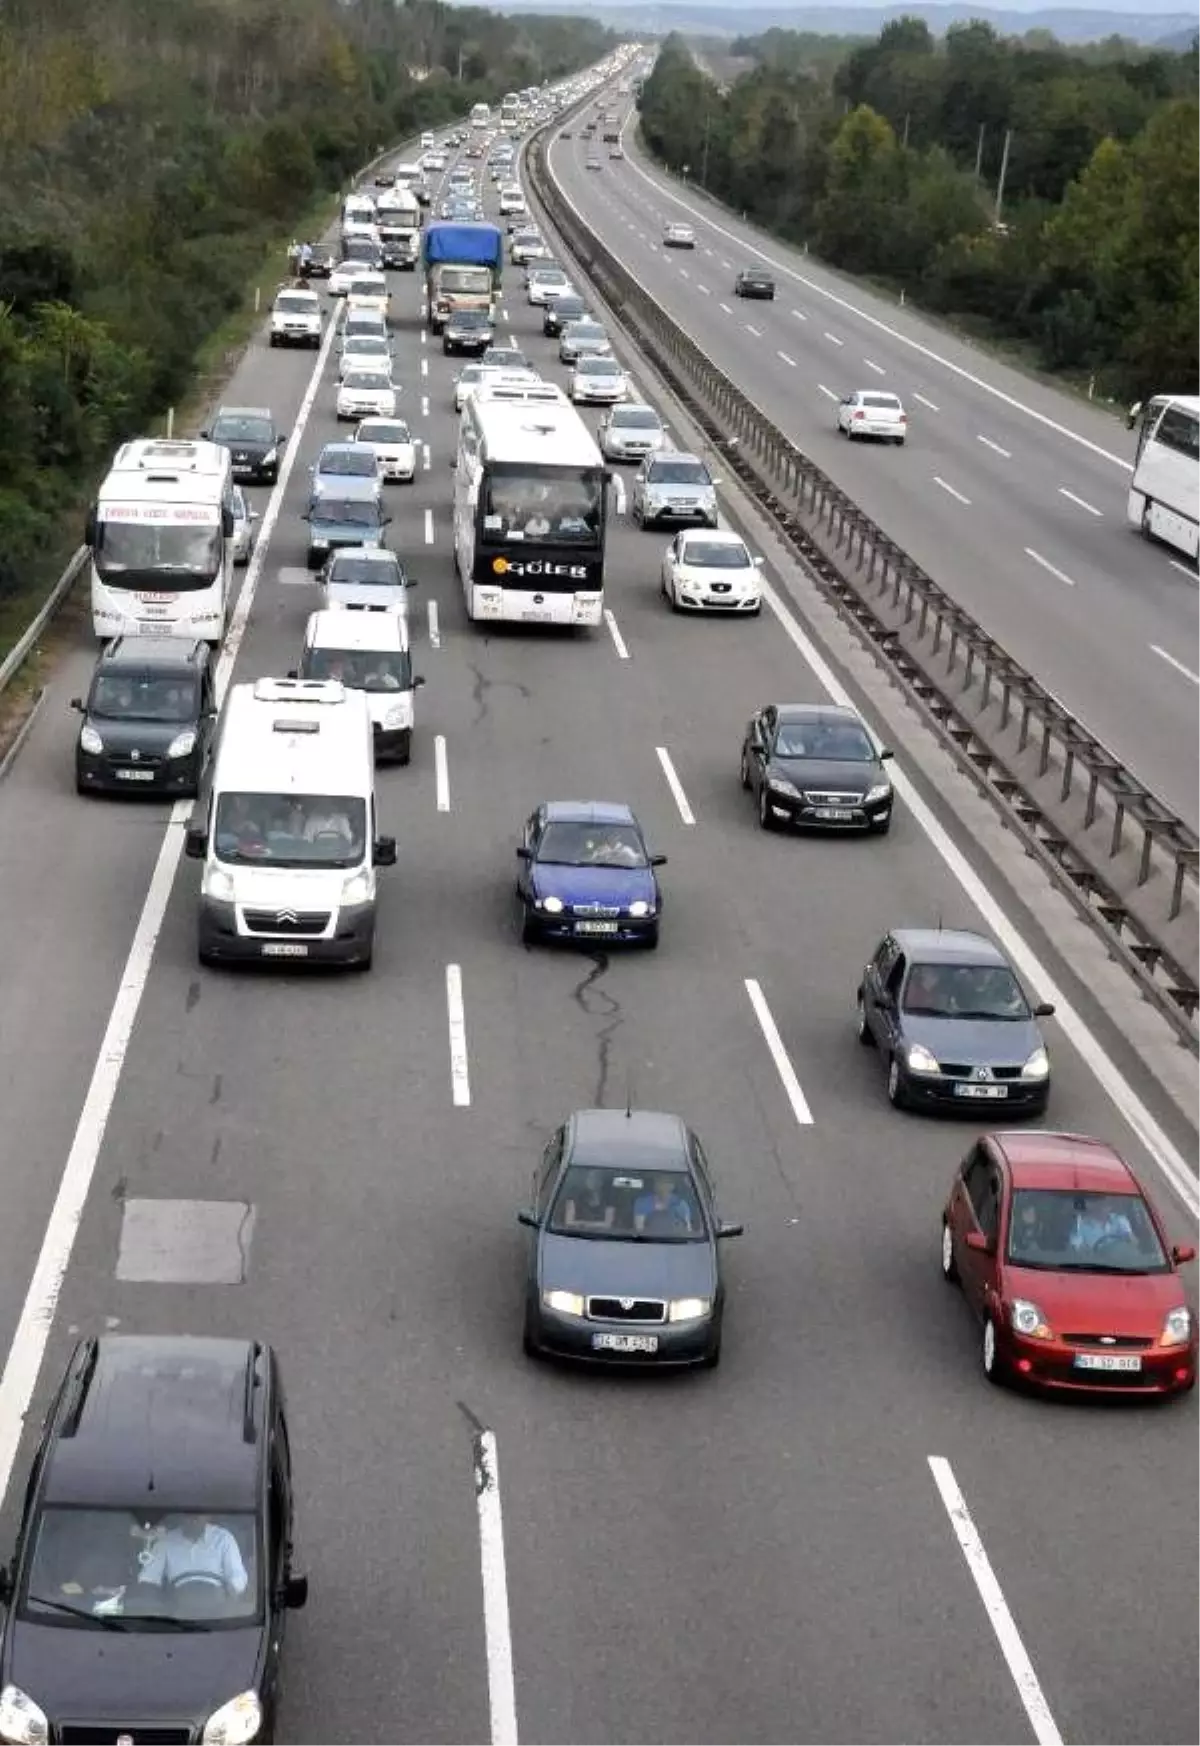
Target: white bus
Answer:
pixel 530 510
pixel 161 538
pixel 510 109
pixel 481 116
pixel 1164 497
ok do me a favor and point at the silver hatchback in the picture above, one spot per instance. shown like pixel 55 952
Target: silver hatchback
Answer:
pixel 674 487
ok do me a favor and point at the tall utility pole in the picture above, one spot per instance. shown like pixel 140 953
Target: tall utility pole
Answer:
pixel 704 156
pixel 1003 174
pixel 979 151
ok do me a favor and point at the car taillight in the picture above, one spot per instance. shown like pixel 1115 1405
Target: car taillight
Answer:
pixel 904 418
pixel 860 415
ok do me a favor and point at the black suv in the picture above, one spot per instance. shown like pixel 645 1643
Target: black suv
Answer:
pixel 152 1577
pixel 320 262
pixel 148 718
pixel 754 282
pixel 253 440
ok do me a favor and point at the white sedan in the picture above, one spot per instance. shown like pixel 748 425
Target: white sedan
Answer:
pixel 365 352
pixel 710 570
pixel 598 379
pixel 679 236
pixel 366 393
pixel 469 377
pixel 547 283
pixel 870 413
pixel 343 276
pixel 368 292
pixel 395 450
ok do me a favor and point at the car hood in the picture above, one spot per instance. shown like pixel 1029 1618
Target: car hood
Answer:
pixel 140 736
pixel 255 447
pixel 1098 1303
pixel 612 1268
pixel 367 596
pixel 154 1676
pixel 349 533
pixel 705 575
pixel 607 886
pixel 825 776
pixel 280 888
pixel 974 1042
pixel 670 489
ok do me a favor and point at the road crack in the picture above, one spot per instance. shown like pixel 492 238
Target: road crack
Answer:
pixel 598 1003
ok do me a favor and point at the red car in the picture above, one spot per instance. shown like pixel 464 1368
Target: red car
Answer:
pixel 1067 1266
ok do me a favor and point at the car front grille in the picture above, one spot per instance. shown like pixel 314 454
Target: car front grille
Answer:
pixel 1113 1342
pixel 817 797
pixel 970 1069
pixel 126 761
pixel 599 909
pixel 626 1309
pixel 720 588
pixel 89 1734
pixel 286 921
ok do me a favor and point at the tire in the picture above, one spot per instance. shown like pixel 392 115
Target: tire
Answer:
pixel 881 830
pixel 529 1343
pixel 989 1358
pixel 531 933
pixel 897 1094
pixel 362 965
pixel 862 1029
pixel 205 958
pixel 712 1357
pixel 650 942
pixel 272 342
pixel 765 821
pixel 949 1266
pixel 744 771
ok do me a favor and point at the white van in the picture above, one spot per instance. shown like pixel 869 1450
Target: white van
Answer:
pixel 286 828
pixel 295 318
pixel 368 652
pixel 511 201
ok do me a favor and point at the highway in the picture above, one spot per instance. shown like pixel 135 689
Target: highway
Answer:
pixel 760 1554
pixel 1010 494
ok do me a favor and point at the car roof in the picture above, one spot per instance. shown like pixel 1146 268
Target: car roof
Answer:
pixel 170 1421
pixel 659 1139
pixel 815 712
pixel 588 812
pixel 948 946
pixel 367 555
pixel 243 412
pixel 147 655
pixel 343 447
pixel 719 536
pixel 346 488
pixel 675 455
pixel 1041 1159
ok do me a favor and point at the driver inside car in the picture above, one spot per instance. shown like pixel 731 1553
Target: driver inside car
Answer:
pixel 192 1549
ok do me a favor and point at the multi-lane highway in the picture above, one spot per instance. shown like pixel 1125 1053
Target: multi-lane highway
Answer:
pixel 763 1554
pixel 1010 494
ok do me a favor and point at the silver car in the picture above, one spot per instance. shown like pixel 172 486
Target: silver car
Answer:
pixel 629 433
pixel 674 487
pixel 244 520
pixel 582 336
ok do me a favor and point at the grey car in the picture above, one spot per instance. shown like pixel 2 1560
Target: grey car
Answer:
pixel 582 336
pixel 953 1023
pixel 624 1265
pixel 674 487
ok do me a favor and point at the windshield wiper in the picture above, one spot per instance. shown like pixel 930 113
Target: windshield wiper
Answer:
pixel 106 1621
pixel 1102 1267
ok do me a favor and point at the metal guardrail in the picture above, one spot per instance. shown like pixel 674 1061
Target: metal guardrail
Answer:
pixel 1126 861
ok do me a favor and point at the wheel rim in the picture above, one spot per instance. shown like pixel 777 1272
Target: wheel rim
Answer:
pixel 989 1346
pixel 947 1249
pixel 860 1013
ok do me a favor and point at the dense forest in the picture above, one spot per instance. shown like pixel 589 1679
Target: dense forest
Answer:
pixel 149 152
pixel 888 164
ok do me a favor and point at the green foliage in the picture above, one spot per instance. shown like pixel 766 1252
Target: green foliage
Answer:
pixel 148 155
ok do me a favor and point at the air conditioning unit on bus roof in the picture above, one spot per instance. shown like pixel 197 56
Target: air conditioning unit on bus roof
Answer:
pixel 302 691
pixel 179 454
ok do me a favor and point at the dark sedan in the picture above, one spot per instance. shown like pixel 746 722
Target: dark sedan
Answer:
pixel 625 1266
pixel 815 765
pixel 952 1022
pixel 561 311
pixel 320 262
pixel 586 875
pixel 468 330
pixel 253 439
pixel 754 282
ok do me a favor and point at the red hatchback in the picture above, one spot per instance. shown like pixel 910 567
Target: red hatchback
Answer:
pixel 1068 1268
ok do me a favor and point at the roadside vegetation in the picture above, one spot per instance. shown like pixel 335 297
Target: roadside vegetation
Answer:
pixel 148 155
pixel 886 162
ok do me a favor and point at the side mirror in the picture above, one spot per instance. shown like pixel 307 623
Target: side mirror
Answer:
pixel 658 860
pixel 524 854
pixel 418 681
pixel 387 519
pixel 1183 1252
pixel 383 851
pixel 227 522
pixel 206 435
pixel 77 703
pixel 254 515
pixel 715 482
pixel 307 516
pixel 525 1217
pixel 293 673
pixel 410 581
pixel 279 442
pixel 452 465
pixel 1044 1009
pixel 195 843
pixel 759 563
pixel 295 1592
pixel 885 752
pixel 725 1229
pixel 982 1245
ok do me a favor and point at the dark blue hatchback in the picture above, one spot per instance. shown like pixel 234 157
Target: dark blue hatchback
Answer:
pixel 586 875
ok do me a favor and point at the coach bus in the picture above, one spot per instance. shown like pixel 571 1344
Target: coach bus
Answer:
pixel 1164 495
pixel 481 116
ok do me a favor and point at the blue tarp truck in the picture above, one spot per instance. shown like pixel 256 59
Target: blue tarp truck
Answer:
pixel 463 263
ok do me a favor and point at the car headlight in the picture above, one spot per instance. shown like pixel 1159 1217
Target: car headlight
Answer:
pixel 553 905
pixel 90 740
pixel 21 1721
pixel 1027 1319
pixel 235 1723
pixel 396 716
pixel 219 885
pixel 318 543
pixel 1037 1066
pixel 639 908
pixel 781 785
pixel 270 458
pixel 881 791
pixel 357 888
pixel 566 1303
pixel 1177 1329
pixel 922 1060
pixel 182 744
pixel 688 1309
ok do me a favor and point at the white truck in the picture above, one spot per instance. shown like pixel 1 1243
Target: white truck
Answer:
pixel 399 220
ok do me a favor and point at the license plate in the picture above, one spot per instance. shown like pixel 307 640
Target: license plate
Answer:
pixel 150 627
pixel 134 775
pixel 539 617
pixel 591 927
pixel 994 1091
pixel 284 949
pixel 1106 1361
pixel 836 814
pixel 625 1342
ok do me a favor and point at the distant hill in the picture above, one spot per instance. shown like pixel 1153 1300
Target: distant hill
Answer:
pixel 1173 30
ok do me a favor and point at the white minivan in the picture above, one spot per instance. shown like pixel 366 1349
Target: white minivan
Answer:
pixel 369 652
pixel 286 828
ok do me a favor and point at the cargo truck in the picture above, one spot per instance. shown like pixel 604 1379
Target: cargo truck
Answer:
pixel 463 263
pixel 399 220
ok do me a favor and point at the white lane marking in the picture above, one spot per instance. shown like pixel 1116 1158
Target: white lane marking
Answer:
pixel 752 330
pixel 675 785
pixel 799 314
pixel 1112 1081
pixel 708 251
pixel 951 490
pixel 1029 1689
pixel 460 1077
pixel 435 634
pixel 497 1628
pixel 24 1361
pixel 827 392
pixel 441 773
pixel 903 339
pixel 424 366
pixel 429 527
pixel 834 340
pixel 725 307
pixel 878 368
pixel 1081 501
pixel 619 492
pixel 424 335
pixel 779 1054
pixel 1184 569
pixel 1178 665
pixel 615 633
pixel 786 359
pixel 424 406
pixel 683 273
pixel 928 403
pixel 1059 575
pixel 426 455
pixel 728 265
pixel 995 447
pixel 703 289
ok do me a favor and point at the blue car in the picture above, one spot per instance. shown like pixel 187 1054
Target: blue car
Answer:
pixel 586 874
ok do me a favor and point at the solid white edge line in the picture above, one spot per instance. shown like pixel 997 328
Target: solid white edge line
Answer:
pixel 675 785
pixel 1081 501
pixel 1184 569
pixel 1178 665
pixel 1059 575
pixel 441 773
pixel 435 635
pixel 1104 1070
pixel 28 1346
pixel 615 633
pixel 951 490
pixel 1029 1690
pixel 429 527
pixel 497 1628
pixel 460 1077
pixel 779 1054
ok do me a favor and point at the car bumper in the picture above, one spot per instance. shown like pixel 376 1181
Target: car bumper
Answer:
pixel 478 344
pixel 753 295
pixel 861 427
pixel 586 396
pixel 692 599
pixel 398 471
pixel 625 930
pixel 353 936
pixel 111 775
pixel 1053 1366
pixel 256 472
pixel 806 815
pixel 937 1091
pixel 679 1343
pixel 295 336
pixel 702 515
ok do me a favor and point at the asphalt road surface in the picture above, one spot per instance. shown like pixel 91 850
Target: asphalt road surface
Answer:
pixel 760 1554
pixel 1011 496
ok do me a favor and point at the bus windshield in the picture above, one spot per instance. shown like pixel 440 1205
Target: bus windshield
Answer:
pixel 561 505
pixel 174 557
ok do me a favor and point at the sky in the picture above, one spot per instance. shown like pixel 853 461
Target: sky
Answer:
pixel 1135 8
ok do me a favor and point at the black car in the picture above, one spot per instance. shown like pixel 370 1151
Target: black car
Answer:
pixel 253 439
pixel 624 1266
pixel 561 310
pixel 320 262
pixel 754 282
pixel 468 330
pixel 385 179
pixel 152 1577
pixel 814 765
pixel 949 1016
pixel 148 718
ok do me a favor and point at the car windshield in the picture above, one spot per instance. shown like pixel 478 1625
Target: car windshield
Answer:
pixel 355 511
pixel 242 427
pixel 564 504
pixel 631 1203
pixel 366 345
pixel 636 417
pixel 834 742
pixel 965 991
pixel 1065 1230
pixel 188 552
pixel 505 358
pixel 387 431
pixel 678 473
pixel 144 697
pixel 567 843
pixel 886 402
pixel 599 367
pixel 131 1570
pixel 370 380
pixel 477 279
pixel 362 669
pixel 715 555
pixel 291 830
pixel 566 308
pixel 294 304
pixel 362 572
pixel 346 463
pixel 471 318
